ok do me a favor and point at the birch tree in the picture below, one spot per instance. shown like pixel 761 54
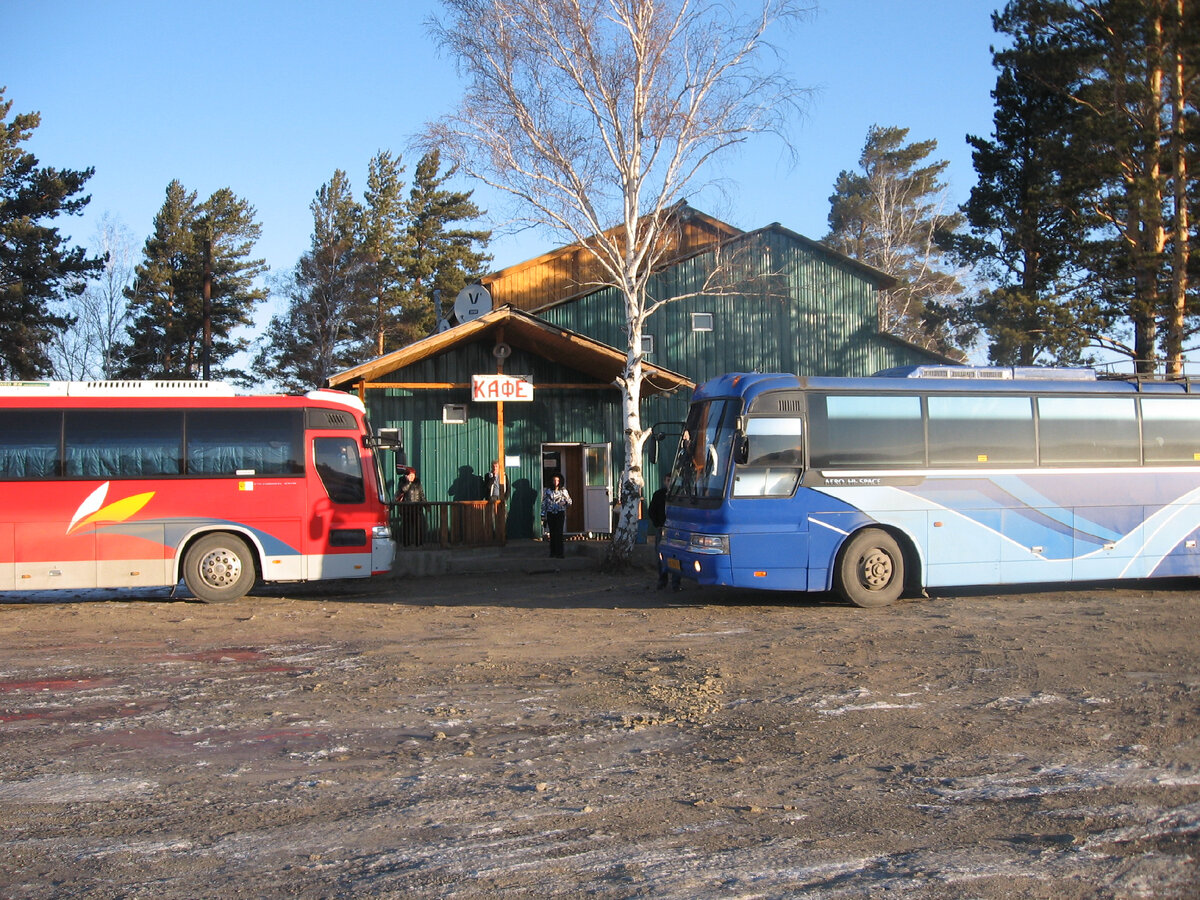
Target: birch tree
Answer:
pixel 88 349
pixel 596 116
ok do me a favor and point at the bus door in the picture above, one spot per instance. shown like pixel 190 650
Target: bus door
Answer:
pixel 340 532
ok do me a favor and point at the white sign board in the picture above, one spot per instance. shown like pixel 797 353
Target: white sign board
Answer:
pixel 498 388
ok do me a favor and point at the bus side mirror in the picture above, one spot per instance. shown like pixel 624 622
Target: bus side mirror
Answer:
pixel 655 440
pixel 741 449
pixel 388 439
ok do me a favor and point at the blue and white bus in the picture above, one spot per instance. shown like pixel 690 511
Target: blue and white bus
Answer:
pixel 935 477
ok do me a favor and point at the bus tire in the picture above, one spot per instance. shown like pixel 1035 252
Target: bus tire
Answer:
pixel 219 568
pixel 870 570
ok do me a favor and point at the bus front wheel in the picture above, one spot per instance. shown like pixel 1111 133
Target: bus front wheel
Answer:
pixel 870 571
pixel 219 568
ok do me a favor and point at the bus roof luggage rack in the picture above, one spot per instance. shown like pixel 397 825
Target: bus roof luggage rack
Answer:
pixel 177 388
pixel 1189 383
pixel 989 373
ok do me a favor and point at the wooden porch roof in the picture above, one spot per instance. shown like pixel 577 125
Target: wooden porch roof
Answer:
pixel 523 331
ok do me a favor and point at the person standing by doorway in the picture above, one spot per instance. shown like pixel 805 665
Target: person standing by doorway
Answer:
pixel 555 500
pixel 493 493
pixel 493 484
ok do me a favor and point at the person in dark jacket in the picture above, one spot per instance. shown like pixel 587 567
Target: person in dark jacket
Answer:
pixel 411 497
pixel 658 518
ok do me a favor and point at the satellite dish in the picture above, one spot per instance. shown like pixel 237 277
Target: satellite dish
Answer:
pixel 502 351
pixel 442 326
pixel 472 302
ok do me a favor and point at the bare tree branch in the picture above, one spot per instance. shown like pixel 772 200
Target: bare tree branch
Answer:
pixel 596 117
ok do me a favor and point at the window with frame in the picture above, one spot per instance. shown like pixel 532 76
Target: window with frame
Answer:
pixel 702 321
pixel 847 430
pixel 1171 430
pixel 1088 431
pixel 29 443
pixel 126 443
pixel 647 343
pixel 774 457
pixel 967 429
pixel 233 442
pixel 339 467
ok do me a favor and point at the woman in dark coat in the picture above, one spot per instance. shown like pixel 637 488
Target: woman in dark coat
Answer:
pixel 411 497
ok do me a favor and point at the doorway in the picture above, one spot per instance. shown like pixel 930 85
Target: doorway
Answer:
pixel 587 471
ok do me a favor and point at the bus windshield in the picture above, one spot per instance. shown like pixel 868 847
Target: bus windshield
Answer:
pixel 701 466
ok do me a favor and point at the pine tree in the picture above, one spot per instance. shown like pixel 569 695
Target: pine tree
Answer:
pixel 227 223
pixel 1129 68
pixel 441 259
pixel 414 249
pixel 385 222
pixel 313 339
pixel 164 282
pixel 1023 236
pixel 888 215
pixel 191 243
pixel 37 268
pixel 1133 141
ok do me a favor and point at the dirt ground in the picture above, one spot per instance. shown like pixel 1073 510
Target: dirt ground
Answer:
pixel 582 735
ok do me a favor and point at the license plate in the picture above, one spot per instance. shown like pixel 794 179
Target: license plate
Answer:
pixel 672 563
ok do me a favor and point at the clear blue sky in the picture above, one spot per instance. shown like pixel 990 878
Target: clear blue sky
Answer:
pixel 269 97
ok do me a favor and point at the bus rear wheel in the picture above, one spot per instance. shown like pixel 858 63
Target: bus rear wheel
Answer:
pixel 870 571
pixel 219 568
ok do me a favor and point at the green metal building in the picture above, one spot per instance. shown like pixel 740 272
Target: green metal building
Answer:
pixel 792 305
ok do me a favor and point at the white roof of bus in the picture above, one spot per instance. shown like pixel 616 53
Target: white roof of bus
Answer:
pixel 179 388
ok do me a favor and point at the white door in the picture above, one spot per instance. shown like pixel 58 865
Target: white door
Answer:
pixel 597 488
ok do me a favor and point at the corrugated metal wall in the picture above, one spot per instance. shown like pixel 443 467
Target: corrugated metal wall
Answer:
pixel 809 314
pixel 451 459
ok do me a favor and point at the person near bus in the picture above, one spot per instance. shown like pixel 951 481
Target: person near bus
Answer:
pixel 411 497
pixel 493 485
pixel 493 493
pixel 555 500
pixel 658 518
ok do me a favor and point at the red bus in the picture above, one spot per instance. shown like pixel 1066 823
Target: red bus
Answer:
pixel 138 484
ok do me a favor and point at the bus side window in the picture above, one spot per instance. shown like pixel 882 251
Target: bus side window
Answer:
pixel 104 443
pixel 1088 431
pixel 861 430
pixel 772 451
pixel 340 468
pixel 967 429
pixel 1171 430
pixel 29 443
pixel 244 442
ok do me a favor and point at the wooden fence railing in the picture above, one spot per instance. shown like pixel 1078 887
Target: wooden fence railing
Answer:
pixel 470 523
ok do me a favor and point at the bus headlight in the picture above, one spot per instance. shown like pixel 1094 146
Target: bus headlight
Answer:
pixel 381 533
pixel 709 543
